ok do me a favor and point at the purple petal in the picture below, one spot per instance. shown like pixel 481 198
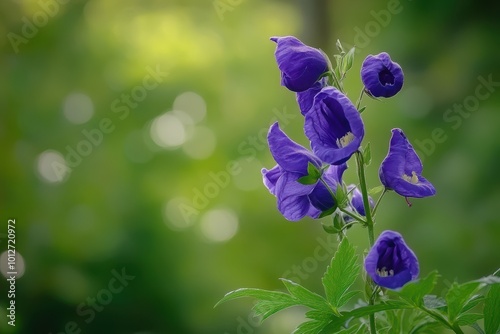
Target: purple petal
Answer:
pixel 305 99
pixel 291 156
pixel 357 201
pixel 300 65
pixel 334 126
pixel 390 262
pixel 270 177
pixel 401 169
pixel 293 200
pixel 381 76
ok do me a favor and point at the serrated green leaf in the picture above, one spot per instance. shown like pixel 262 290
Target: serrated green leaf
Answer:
pixel 306 297
pixel 256 293
pixel 468 319
pixel 311 327
pixel 473 302
pixel 457 297
pixel 348 59
pixel 492 310
pixel 313 170
pixel 367 155
pixel 266 308
pixel 415 291
pixel 375 190
pixel 341 275
pixel 307 179
pixel 337 323
pixel 434 302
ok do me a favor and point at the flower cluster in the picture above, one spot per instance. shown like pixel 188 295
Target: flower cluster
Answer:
pixel 308 181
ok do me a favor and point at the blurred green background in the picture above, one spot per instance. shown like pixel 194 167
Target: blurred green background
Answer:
pixel 133 134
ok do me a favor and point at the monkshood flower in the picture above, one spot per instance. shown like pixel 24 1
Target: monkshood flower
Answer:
pixel 357 201
pixel 391 263
pixel 381 76
pixel 300 65
pixel 334 126
pixel 401 169
pixel 305 99
pixel 296 200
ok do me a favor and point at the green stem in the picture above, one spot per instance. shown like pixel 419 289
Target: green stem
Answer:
pixel 364 192
pixel 349 213
pixel 358 102
pixel 353 215
pixel 369 221
pixel 374 211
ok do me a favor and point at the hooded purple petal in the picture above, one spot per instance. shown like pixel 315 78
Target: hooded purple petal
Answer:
pixel 334 126
pixel 291 156
pixel 305 99
pixel 401 169
pixel 300 65
pixel 381 76
pixel 270 177
pixel 357 201
pixel 390 262
pixel 293 200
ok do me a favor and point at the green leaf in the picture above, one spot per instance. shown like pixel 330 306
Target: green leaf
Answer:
pixel 477 328
pixel 306 297
pixel 415 291
pixel 256 293
pixel 473 302
pixel 348 59
pixel 328 212
pixel 339 46
pixel 468 318
pixel 341 196
pixel 362 109
pixel 338 322
pixel 457 297
pixel 434 302
pixel 367 155
pixel 341 275
pixel 307 179
pixel 375 190
pixel 313 170
pixel 266 308
pixel 492 310
pixel 311 327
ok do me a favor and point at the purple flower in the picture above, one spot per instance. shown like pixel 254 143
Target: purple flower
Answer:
pixel 381 76
pixel 305 99
pixel 334 126
pixel 296 200
pixel 391 263
pixel 357 201
pixel 401 169
pixel 300 65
